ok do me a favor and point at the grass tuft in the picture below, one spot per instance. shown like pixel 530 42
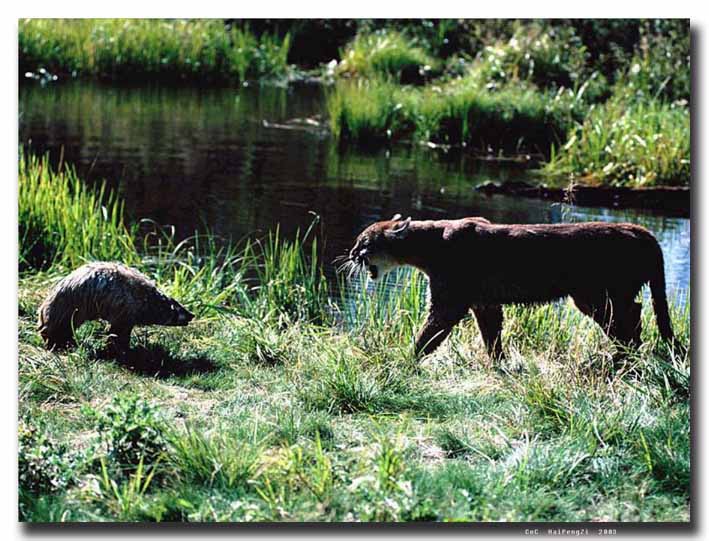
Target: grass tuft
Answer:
pixel 150 49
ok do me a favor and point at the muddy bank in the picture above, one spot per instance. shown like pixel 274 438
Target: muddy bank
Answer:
pixel 672 200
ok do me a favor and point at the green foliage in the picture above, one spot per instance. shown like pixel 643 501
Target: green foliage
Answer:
pixel 44 465
pixel 132 432
pixel 338 381
pixel 461 111
pixel 613 113
pixel 384 495
pixel 628 144
pixel 660 66
pixel 122 497
pixel 220 458
pixel 387 54
pixel 62 221
pixel 291 285
pixel 664 448
pixel 547 57
pixel 291 426
pixel 150 49
pixel 45 470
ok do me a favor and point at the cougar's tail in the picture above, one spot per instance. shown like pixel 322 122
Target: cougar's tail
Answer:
pixel 659 299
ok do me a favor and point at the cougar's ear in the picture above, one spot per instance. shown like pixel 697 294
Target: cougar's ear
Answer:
pixel 396 218
pixel 399 230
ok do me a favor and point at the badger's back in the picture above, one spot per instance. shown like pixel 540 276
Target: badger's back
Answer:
pixel 100 290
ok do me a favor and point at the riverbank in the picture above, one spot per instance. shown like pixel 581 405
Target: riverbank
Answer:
pixel 268 407
pixel 671 201
pixel 530 93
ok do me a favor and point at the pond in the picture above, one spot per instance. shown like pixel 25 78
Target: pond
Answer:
pixel 232 160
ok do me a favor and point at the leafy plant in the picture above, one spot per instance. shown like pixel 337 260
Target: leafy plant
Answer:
pixel 131 431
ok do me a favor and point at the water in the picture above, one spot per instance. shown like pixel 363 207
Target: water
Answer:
pixel 228 160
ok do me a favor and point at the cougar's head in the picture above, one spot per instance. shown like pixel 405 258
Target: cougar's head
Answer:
pixel 374 247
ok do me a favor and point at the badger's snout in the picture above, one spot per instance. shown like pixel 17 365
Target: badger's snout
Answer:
pixel 184 317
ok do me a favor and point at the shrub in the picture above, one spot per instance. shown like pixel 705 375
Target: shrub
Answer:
pixel 44 465
pixel 131 431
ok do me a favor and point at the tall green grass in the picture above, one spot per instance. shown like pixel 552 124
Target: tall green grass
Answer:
pixel 541 90
pixel 62 221
pixel 150 49
pixel 386 53
pixel 463 111
pixel 628 144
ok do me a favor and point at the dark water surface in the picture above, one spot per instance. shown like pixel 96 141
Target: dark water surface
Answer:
pixel 228 159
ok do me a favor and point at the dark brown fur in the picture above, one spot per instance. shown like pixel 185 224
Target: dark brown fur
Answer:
pixel 110 291
pixel 474 264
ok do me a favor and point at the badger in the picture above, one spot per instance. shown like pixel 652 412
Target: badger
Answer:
pixel 120 295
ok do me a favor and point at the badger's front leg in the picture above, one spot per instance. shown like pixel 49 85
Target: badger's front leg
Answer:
pixel 119 337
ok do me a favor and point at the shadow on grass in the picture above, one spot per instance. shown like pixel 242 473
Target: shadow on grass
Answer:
pixel 156 361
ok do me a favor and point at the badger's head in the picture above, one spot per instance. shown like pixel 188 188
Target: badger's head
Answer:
pixel 171 313
pixel 375 247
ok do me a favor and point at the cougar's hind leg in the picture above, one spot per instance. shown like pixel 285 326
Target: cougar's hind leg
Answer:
pixel 600 308
pixel 625 321
pixel 633 324
pixel 489 320
pixel 618 316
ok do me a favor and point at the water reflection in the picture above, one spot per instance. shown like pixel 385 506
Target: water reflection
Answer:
pixel 197 157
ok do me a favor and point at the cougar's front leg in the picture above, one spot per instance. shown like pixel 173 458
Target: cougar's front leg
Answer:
pixel 439 324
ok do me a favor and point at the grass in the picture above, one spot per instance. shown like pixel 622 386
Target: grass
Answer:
pixel 330 432
pixel 64 222
pixel 621 144
pixel 277 405
pixel 386 53
pixel 150 50
pixel 460 112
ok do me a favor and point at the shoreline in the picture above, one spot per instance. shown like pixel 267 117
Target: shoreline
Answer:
pixel 672 200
